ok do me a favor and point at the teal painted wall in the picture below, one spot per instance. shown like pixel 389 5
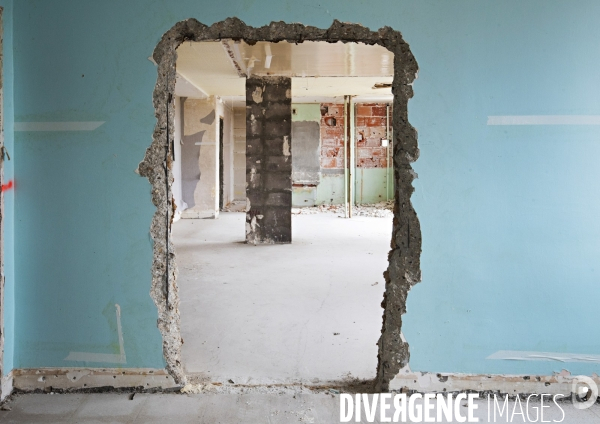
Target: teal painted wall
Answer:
pixel 509 215
pixel 9 195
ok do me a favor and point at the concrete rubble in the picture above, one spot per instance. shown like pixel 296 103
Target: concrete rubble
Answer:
pixel 376 210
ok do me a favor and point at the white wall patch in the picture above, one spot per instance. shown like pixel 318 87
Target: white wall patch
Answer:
pixel 58 126
pixel 544 120
pixel 517 355
pixel 112 358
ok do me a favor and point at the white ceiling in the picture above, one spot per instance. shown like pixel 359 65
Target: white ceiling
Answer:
pixel 320 71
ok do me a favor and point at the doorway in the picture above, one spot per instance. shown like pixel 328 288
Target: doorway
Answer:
pixel 403 268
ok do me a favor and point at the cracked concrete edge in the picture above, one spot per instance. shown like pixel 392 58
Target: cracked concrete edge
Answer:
pixel 404 257
pixel 404 269
pixel 50 379
pixel 428 382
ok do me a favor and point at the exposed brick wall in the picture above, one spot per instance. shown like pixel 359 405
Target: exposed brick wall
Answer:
pixel 332 137
pixel 370 129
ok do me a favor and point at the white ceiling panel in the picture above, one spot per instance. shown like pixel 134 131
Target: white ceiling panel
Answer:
pixel 318 69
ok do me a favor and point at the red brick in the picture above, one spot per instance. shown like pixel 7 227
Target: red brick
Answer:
pixel 330 151
pixel 373 142
pixel 339 163
pixel 364 153
pixel 333 109
pixel 375 122
pixel 379 110
pixel 328 142
pixel 331 132
pixel 379 151
pixel 363 111
pixel 383 162
pixel 366 163
pixel 360 121
pixel 328 163
pixel 376 132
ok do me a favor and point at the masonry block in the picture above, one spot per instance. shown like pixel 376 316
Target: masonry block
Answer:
pixel 269 160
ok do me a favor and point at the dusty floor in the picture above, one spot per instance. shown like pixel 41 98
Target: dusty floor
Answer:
pixel 224 409
pixel 309 311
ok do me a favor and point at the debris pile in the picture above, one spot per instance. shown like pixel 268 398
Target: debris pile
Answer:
pixel 376 210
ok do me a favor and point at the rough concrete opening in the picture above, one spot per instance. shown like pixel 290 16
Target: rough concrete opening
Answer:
pixel 404 268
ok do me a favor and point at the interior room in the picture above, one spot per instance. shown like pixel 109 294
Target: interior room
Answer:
pixel 319 298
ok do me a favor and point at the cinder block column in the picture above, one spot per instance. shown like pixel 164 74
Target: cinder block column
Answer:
pixel 268 160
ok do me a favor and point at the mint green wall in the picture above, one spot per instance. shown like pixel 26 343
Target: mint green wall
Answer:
pixel 330 190
pixel 305 196
pixel 306 112
pixel 509 215
pixel 371 185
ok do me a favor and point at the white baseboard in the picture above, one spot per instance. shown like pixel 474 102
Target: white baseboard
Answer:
pixel 84 378
pixel 6 385
pixel 559 383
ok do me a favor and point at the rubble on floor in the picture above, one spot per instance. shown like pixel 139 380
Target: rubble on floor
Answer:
pixel 376 210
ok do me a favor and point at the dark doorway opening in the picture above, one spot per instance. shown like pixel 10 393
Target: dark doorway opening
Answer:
pixel 221 165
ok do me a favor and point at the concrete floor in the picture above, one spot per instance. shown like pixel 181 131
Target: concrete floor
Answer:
pixel 305 312
pixel 222 408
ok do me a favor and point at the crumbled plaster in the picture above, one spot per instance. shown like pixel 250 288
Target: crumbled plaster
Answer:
pixel 404 258
pixel 89 378
pixel 425 382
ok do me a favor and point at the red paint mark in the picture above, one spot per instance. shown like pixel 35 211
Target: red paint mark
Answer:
pixel 7 186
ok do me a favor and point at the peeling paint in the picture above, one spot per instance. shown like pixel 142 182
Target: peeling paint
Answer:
pixel 69 378
pixel 518 355
pixel 119 358
pixel 286 146
pixel 270 175
pixel 257 97
pixel 558 383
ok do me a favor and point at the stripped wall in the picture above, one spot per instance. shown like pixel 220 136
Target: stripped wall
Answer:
pixel 225 111
pixel 239 155
pixel 306 148
pixel 508 212
pixel 200 158
pixel 374 171
pixel 373 177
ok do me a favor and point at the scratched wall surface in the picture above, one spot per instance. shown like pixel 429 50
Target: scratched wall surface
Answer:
pixel 8 191
pixel 199 158
pixel 509 214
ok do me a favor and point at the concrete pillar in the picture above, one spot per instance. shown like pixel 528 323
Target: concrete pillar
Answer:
pixel 268 160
